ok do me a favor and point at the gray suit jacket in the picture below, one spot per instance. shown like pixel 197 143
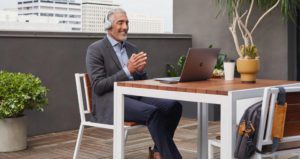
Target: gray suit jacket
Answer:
pixel 104 68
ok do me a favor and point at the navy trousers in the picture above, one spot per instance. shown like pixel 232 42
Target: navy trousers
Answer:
pixel 161 116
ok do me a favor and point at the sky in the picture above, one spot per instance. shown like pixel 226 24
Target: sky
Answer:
pixel 157 8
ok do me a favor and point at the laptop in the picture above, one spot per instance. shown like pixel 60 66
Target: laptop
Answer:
pixel 199 66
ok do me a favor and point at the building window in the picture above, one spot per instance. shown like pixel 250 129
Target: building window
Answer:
pixel 61 15
pixel 47 14
pixel 46 8
pixel 74 16
pixel 74 22
pixel 77 4
pixel 61 2
pixel 25 2
pixel 74 9
pixel 47 1
pixel 60 8
pixel 27 8
pixel 76 29
pixel 63 22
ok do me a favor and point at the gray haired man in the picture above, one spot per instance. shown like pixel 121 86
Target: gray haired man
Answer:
pixel 113 59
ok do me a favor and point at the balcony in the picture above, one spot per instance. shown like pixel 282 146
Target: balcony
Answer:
pixel 56 56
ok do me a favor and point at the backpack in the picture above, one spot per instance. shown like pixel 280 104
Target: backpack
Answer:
pixel 247 132
pixel 248 129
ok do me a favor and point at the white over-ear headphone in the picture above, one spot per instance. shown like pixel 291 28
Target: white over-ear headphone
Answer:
pixel 107 23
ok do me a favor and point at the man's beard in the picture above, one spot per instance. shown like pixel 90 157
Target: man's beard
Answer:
pixel 125 38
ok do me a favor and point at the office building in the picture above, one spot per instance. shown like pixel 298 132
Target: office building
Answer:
pixel 145 24
pixel 10 21
pixel 93 14
pixel 67 12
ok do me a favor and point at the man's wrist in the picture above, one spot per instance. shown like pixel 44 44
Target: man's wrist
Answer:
pixel 127 72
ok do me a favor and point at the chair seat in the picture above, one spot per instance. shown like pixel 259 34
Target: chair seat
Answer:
pixel 282 146
pixel 130 123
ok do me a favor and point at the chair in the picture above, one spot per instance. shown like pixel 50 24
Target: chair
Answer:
pixel 82 81
pixel 242 105
pixel 264 140
pixel 267 114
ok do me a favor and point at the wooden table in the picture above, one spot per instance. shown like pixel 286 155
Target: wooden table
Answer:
pixel 213 91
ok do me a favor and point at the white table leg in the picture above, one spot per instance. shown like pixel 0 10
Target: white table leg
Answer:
pixel 202 139
pixel 118 140
pixel 228 120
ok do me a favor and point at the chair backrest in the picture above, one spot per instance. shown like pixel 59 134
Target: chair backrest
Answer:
pixel 83 82
pixel 267 114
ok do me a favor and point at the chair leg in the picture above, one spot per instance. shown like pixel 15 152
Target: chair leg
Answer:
pixel 78 142
pixel 126 134
pixel 210 150
pixel 256 156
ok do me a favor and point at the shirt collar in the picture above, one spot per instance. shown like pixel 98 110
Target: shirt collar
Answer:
pixel 114 42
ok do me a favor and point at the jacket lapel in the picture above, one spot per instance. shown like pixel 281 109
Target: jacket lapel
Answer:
pixel 112 53
pixel 130 50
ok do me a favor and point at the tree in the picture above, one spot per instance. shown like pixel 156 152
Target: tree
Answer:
pixel 240 19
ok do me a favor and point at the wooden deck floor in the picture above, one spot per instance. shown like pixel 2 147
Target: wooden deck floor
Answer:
pixel 97 143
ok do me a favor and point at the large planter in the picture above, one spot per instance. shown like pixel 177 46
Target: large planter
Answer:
pixel 248 69
pixel 13 134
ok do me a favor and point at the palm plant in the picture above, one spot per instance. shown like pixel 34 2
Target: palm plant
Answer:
pixel 239 17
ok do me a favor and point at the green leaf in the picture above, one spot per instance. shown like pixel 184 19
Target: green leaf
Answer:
pixel 175 71
pixel 220 61
pixel 20 91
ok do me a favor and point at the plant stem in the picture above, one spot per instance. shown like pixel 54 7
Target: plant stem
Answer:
pixel 267 12
pixel 249 13
pixel 232 29
pixel 244 35
pixel 248 34
pixel 235 39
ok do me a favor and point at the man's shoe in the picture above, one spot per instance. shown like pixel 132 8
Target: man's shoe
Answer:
pixel 153 155
pixel 156 155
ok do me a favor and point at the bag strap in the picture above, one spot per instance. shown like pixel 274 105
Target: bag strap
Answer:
pixel 281 96
pixel 281 102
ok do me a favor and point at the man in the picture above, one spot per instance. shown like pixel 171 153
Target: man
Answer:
pixel 107 62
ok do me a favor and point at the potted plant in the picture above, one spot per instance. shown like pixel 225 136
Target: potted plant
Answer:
pixel 18 92
pixel 240 12
pixel 219 67
pixel 175 71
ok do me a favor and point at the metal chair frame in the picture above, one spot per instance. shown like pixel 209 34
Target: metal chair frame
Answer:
pixel 82 78
pixel 267 114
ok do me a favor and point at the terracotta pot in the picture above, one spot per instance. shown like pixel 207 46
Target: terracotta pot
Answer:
pixel 248 69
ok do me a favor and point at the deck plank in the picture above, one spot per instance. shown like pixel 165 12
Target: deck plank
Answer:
pixel 97 143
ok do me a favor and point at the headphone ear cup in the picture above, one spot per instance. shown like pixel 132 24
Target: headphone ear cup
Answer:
pixel 107 23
